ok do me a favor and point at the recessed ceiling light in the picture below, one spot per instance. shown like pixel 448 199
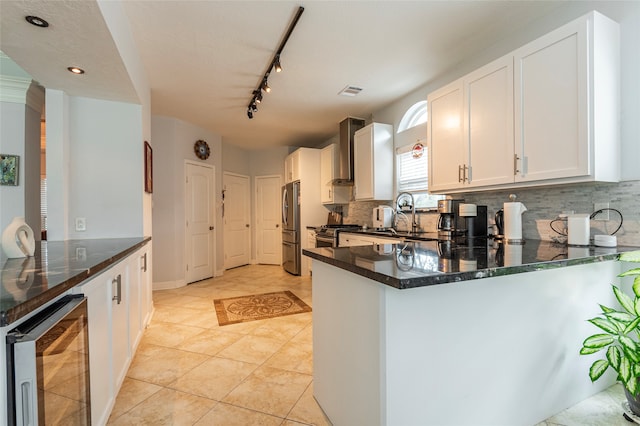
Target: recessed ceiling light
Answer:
pixel 76 70
pixel 350 91
pixel 37 21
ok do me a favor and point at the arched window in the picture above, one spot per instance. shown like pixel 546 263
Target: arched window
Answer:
pixel 412 157
pixel 414 116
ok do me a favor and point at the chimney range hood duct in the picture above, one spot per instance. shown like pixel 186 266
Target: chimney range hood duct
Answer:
pixel 348 127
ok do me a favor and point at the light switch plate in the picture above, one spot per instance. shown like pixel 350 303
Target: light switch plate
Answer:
pixel 81 224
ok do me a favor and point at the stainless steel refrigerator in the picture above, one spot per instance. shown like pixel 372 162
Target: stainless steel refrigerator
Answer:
pixel 291 253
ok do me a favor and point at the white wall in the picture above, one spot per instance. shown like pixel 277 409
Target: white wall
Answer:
pixel 106 161
pixel 172 141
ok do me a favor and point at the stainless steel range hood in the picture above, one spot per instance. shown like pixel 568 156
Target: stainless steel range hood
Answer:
pixel 348 127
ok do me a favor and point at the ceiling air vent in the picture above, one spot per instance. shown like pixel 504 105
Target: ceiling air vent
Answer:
pixel 350 91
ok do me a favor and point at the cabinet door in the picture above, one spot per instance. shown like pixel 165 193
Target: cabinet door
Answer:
pixel 326 173
pixel 488 127
pixel 551 105
pixel 98 293
pixel 363 163
pixel 146 298
pixel 447 151
pixel 119 291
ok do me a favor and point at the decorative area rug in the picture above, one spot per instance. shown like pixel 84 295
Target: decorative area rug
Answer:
pixel 235 310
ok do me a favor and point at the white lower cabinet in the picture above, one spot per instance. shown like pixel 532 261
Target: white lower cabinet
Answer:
pixel 346 239
pixel 117 301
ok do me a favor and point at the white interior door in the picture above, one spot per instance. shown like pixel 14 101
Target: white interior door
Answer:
pixel 199 223
pixel 268 219
pixel 236 220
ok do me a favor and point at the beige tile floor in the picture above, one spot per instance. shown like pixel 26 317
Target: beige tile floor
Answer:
pixel 190 371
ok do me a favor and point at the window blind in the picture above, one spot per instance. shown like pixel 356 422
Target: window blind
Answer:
pixel 412 172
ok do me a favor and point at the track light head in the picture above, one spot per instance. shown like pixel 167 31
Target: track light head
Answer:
pixel 254 107
pixel 277 65
pixel 265 86
pixel 249 113
pixel 257 95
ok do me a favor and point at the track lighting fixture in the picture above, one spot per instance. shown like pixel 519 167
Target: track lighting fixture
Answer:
pixel 277 65
pixel 274 65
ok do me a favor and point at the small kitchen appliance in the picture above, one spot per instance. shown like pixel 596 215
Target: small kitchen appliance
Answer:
pixel 475 218
pixel 578 229
pixel 450 223
pixel 382 217
pixel 513 211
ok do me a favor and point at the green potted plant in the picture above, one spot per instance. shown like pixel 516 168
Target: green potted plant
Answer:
pixel 619 335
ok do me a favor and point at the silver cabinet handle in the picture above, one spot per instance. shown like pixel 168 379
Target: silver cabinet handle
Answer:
pixel 515 164
pixel 118 293
pixel 144 263
pixel 460 178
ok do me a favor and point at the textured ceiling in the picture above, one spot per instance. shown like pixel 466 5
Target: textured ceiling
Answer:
pixel 204 58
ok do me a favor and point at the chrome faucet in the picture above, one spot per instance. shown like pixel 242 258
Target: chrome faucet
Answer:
pixel 414 225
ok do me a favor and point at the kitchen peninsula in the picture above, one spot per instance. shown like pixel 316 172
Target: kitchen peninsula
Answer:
pixel 411 334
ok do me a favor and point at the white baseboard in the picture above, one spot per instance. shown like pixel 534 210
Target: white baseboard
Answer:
pixel 168 285
pixel 219 273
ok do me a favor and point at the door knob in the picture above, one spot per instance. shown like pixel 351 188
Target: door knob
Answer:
pixel 247 225
pixel 277 225
pixel 211 228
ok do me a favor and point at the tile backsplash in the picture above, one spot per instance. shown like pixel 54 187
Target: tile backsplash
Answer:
pixel 543 205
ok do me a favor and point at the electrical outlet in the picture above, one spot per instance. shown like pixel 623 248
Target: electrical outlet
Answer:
pixel 81 224
pixel 602 215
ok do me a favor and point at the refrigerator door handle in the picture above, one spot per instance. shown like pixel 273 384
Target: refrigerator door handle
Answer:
pixel 285 207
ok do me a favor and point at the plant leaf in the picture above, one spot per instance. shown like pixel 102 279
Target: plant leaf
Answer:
pixel 619 316
pixel 606 309
pixel 625 301
pixel 625 369
pixel 605 325
pixel 630 256
pixel 597 369
pixel 598 341
pixel 589 351
pixel 614 356
pixel 632 325
pixel 630 272
pixel 632 385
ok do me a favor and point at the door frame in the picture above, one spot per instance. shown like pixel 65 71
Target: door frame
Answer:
pixel 187 163
pixel 255 218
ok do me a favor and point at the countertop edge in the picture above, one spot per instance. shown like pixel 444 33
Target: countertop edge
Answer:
pixel 14 314
pixel 453 277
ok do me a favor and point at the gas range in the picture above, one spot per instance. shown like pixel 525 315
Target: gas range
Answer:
pixel 327 235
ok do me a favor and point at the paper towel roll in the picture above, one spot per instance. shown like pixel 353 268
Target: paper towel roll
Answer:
pixel 513 221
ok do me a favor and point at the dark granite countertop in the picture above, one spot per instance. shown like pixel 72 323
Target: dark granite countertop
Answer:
pixel 424 263
pixel 30 282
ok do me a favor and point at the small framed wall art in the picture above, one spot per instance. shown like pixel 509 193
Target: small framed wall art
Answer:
pixel 148 168
pixel 9 169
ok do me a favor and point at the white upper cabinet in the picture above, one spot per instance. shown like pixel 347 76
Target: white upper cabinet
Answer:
pixel 566 103
pixel 292 167
pixel 488 124
pixel 470 129
pixel 329 164
pixel 446 144
pixel 545 114
pixel 373 162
